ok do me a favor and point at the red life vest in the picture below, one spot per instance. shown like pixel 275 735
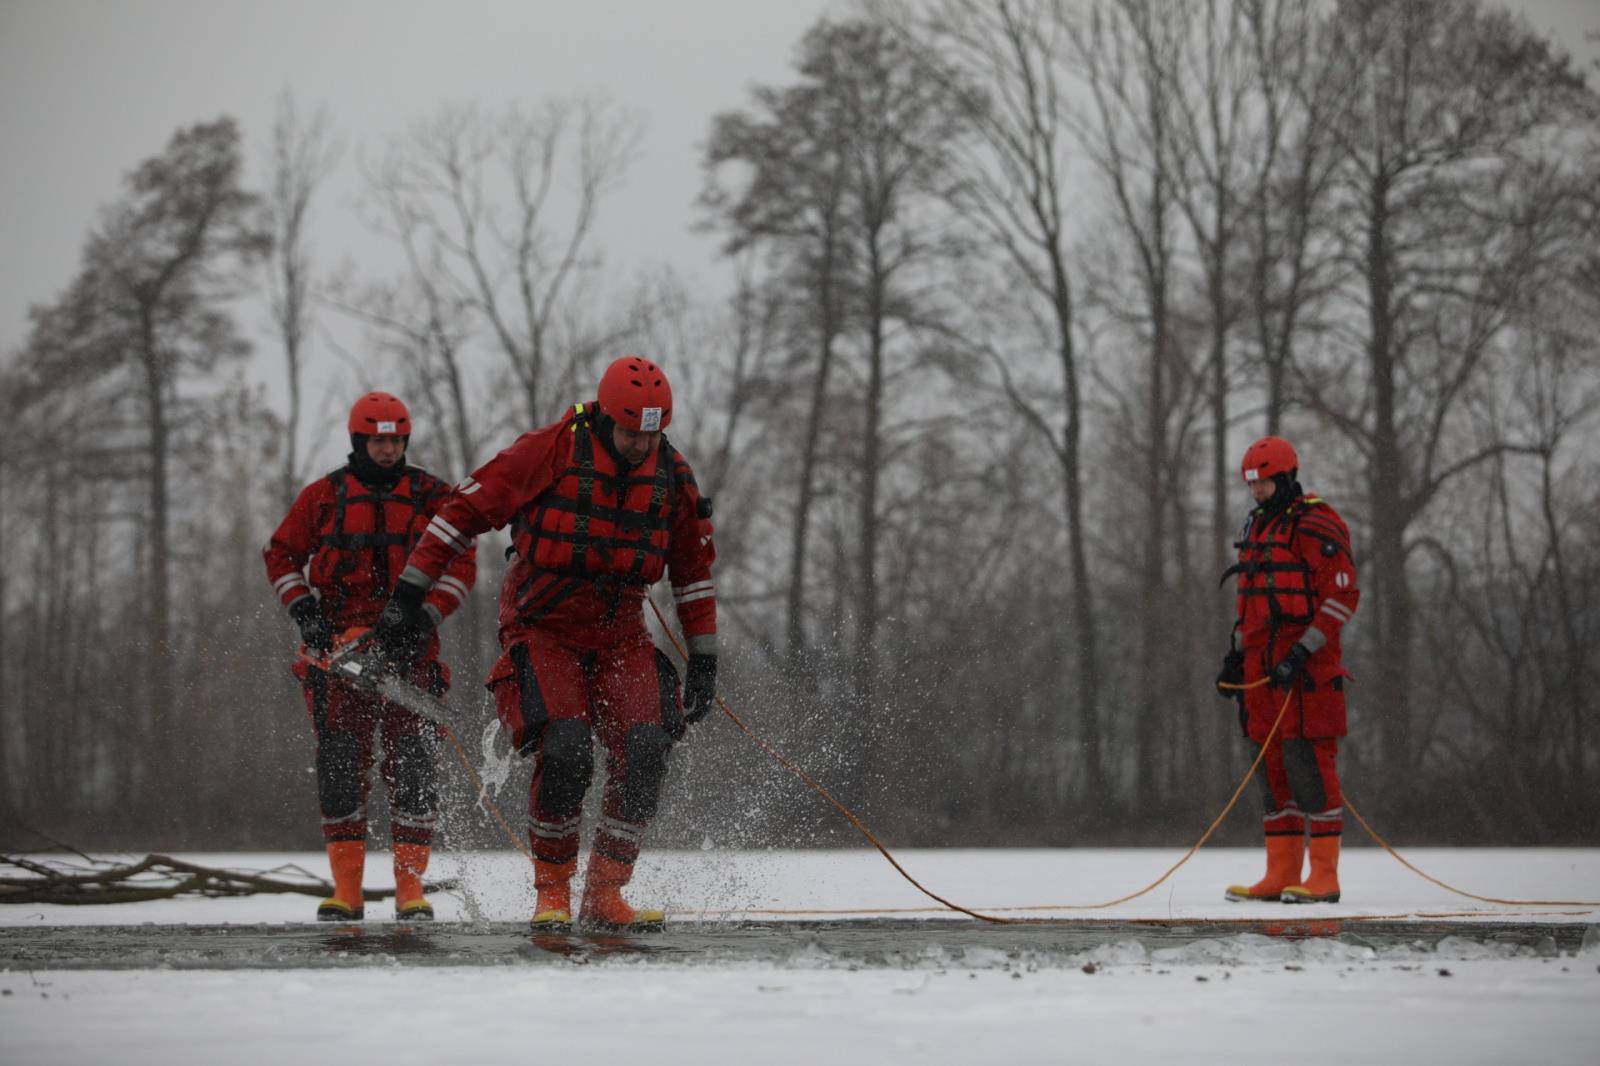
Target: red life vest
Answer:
pixel 1275 588
pixel 597 522
pixel 363 538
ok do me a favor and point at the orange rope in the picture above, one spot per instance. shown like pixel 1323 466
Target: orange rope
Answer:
pixel 516 842
pixel 824 793
pixel 884 851
pixel 1292 919
pixel 1212 828
pixel 1384 844
pixel 483 793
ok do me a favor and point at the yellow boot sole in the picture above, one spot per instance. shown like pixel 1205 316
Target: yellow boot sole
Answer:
pixel 552 921
pixel 1242 894
pixel 1301 894
pixel 337 910
pixel 414 910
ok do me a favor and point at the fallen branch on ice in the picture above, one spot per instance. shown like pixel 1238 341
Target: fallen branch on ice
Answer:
pixel 157 877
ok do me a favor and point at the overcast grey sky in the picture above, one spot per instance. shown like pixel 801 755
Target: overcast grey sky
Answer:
pixel 90 88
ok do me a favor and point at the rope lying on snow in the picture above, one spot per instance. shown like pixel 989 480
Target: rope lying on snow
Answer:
pixel 860 827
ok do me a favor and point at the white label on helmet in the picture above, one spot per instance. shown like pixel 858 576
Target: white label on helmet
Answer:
pixel 1252 475
pixel 386 427
pixel 650 420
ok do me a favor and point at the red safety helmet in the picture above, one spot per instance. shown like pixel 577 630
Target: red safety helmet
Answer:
pixel 1267 458
pixel 379 413
pixel 635 393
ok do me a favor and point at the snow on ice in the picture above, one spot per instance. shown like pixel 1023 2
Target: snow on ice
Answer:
pixel 1241 999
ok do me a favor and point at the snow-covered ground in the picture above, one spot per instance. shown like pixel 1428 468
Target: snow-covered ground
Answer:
pixel 1240 999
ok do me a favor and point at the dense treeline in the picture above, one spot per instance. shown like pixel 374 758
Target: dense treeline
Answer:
pixel 1016 282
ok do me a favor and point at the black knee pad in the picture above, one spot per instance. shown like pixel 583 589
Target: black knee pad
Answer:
pixel 1269 802
pixel 416 775
pixel 338 774
pixel 646 751
pixel 1305 777
pixel 566 762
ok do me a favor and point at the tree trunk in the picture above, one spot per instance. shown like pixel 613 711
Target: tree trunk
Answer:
pixel 866 659
pixel 797 650
pixel 157 637
pixel 1086 644
pixel 1393 632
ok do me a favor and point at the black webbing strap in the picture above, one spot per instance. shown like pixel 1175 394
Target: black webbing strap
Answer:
pixel 381 536
pixel 1258 538
pixel 643 546
pixel 547 598
pixel 583 456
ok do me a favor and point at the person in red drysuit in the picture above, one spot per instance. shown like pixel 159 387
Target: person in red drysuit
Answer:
pixel 355 527
pixel 601 507
pixel 1296 590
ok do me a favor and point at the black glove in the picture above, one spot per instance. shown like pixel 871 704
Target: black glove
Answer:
pixel 1232 673
pixel 699 687
pixel 404 626
pixel 316 632
pixel 1290 666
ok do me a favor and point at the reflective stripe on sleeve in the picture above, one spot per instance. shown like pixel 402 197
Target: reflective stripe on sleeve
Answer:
pixel 452 586
pixel 447 533
pixel 697 591
pixel 289 581
pixel 1338 610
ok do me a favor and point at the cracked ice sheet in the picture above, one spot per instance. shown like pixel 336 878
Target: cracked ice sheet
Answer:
pixel 1239 1002
pixel 715 883
pixel 1484 1011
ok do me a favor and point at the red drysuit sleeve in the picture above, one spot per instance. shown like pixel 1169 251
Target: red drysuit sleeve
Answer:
pixel 1324 542
pixel 690 555
pixel 291 547
pixel 487 499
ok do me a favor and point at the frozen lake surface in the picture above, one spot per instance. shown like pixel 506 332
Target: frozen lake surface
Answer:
pixel 795 956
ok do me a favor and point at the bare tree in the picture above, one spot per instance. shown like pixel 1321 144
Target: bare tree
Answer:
pixel 501 213
pixel 896 127
pixel 791 201
pixel 1127 51
pixel 148 301
pixel 1440 143
pixel 304 153
pixel 1019 194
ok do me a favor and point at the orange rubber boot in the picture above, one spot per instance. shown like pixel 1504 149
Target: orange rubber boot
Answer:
pixel 1284 856
pixel 552 912
pixel 347 859
pixel 410 863
pixel 603 905
pixel 1323 884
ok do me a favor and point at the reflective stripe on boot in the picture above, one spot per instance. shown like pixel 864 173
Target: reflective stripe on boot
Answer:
pixel 1323 884
pixel 1285 853
pixel 552 912
pixel 603 905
